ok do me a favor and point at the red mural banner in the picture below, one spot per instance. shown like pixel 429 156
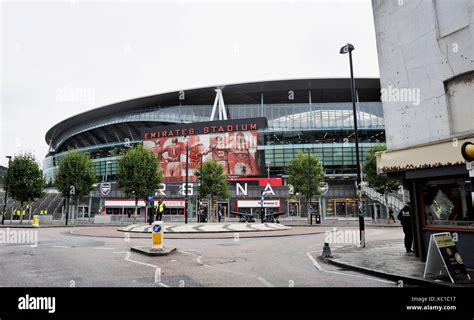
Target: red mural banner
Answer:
pixel 235 151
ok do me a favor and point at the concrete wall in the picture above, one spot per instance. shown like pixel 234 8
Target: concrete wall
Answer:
pixel 422 45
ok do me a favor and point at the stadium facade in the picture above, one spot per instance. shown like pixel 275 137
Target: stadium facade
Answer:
pixel 256 130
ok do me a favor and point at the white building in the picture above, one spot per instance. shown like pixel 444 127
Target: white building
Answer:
pixel 426 60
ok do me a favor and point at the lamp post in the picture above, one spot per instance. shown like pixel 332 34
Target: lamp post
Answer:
pixel 6 191
pixel 309 189
pixel 348 48
pixel 186 140
pixel 105 180
pixel 268 169
pixel 199 196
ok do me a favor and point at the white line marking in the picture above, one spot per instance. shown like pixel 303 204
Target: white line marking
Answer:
pixel 66 247
pixel 318 266
pixel 127 258
pixel 102 248
pixel 199 260
pixel 315 263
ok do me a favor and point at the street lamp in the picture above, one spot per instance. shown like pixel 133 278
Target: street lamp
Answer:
pixel 309 189
pixel 106 169
pixel 6 191
pixel 348 48
pixel 268 169
pixel 199 207
pixel 105 180
pixel 186 140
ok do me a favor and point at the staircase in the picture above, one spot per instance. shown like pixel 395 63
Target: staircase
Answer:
pixel 393 200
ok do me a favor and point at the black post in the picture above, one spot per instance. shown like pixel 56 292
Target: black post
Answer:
pixel 262 199
pixel 356 134
pixel 6 191
pixel 67 206
pixel 199 197
pixel 309 189
pixel 186 184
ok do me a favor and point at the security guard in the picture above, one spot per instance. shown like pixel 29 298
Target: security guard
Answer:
pixel 161 209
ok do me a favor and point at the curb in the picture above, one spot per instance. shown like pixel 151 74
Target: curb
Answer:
pixel 387 275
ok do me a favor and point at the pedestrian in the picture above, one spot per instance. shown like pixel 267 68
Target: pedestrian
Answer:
pixel 391 217
pixel 129 213
pixel 160 211
pixel 405 219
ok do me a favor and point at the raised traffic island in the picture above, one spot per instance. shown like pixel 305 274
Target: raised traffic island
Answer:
pixel 207 227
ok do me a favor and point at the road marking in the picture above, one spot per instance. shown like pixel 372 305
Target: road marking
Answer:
pixel 127 258
pixel 120 252
pixel 66 247
pixel 318 266
pixel 199 260
pixel 315 263
pixel 102 248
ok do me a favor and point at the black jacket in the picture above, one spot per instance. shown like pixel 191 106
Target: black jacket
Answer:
pixel 405 216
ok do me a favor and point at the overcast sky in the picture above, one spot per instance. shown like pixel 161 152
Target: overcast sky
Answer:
pixel 59 59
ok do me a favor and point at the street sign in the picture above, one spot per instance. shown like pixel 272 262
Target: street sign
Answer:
pixel 150 198
pixel 157 235
pixel 105 188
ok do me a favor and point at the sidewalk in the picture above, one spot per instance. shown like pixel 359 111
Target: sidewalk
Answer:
pixel 353 222
pixel 388 259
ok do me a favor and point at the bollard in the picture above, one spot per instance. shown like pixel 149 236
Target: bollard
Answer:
pixel 326 251
pixel 157 235
pixel 362 230
pixel 35 221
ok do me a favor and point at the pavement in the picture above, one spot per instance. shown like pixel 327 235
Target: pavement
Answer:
pixel 207 227
pixel 388 259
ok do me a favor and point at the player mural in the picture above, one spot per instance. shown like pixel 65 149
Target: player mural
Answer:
pixel 236 151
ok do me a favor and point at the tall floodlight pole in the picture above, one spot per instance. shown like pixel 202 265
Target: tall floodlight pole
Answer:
pixel 309 189
pixel 348 48
pixel 186 140
pixel 6 192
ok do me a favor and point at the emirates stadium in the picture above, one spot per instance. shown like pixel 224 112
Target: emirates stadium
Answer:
pixel 253 129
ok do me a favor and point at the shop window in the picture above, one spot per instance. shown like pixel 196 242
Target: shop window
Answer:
pixel 448 203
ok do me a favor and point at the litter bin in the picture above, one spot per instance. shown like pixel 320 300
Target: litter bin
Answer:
pixel 318 218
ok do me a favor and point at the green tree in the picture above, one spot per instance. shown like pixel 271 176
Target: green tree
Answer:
pixel 138 174
pixel 305 175
pixel 379 183
pixel 75 169
pixel 25 180
pixel 212 183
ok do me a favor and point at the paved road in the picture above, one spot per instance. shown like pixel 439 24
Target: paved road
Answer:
pixel 62 260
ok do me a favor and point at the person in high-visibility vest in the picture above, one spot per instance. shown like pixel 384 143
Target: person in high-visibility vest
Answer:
pixel 161 209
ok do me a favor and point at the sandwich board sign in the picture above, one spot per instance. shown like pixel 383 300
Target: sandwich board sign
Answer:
pixel 443 255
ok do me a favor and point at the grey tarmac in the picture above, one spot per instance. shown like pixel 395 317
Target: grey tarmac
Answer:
pixel 62 259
